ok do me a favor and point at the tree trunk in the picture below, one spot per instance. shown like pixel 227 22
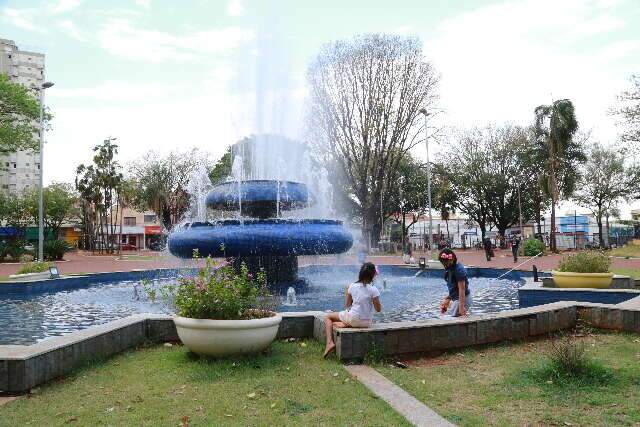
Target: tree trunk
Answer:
pixel 446 221
pixel 601 240
pixel 607 233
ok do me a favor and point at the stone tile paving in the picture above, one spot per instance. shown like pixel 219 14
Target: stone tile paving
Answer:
pixel 416 412
pixel 85 262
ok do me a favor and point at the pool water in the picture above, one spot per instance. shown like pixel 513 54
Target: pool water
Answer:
pixel 30 318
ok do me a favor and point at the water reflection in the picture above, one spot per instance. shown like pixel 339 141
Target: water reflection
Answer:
pixel 31 318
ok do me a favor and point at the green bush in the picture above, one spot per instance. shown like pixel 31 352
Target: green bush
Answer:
pixel 219 293
pixel 54 250
pixel 533 247
pixel 34 267
pixel 13 249
pixel 585 262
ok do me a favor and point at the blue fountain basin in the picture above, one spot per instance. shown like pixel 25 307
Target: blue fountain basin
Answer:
pixel 258 197
pixel 272 237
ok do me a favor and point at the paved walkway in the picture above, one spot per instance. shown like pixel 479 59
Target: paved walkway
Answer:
pixel 416 412
pixel 83 262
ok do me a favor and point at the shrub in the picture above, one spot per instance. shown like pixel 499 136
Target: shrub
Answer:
pixel 54 250
pixel 13 249
pixel 219 293
pixel 34 267
pixel 569 366
pixel 585 262
pixel 533 247
pixel 26 258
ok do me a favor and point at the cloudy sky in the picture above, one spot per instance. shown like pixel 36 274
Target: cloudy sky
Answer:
pixel 163 75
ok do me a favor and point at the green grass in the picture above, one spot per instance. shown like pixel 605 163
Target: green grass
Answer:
pixel 160 386
pixel 628 250
pixel 631 272
pixel 513 384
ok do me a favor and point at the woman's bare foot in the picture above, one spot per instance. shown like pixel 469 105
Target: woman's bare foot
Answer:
pixel 328 349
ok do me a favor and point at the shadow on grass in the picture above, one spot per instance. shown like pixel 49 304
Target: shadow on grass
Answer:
pixel 208 369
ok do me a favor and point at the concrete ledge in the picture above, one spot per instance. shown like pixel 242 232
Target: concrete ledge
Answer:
pixel 532 294
pixel 24 367
pixel 439 334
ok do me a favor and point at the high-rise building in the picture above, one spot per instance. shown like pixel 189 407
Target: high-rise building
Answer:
pixel 20 171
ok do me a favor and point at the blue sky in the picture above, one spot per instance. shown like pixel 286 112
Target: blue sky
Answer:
pixel 165 75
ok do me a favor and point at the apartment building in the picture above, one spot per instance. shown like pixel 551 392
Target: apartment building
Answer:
pixel 20 171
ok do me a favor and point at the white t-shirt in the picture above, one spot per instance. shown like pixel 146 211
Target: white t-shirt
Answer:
pixel 362 295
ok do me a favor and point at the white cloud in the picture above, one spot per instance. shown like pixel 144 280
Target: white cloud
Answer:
pixel 143 3
pixel 235 8
pixel 499 62
pixel 66 6
pixel 116 91
pixel 70 29
pixel 122 39
pixel 21 18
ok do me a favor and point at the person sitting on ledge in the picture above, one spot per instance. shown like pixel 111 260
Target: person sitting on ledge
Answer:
pixel 361 299
pixel 458 301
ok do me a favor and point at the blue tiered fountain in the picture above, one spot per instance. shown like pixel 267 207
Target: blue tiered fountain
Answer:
pixel 265 240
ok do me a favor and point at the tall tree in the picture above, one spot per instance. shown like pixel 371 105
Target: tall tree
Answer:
pixel 555 126
pixel 98 185
pixel 407 195
pixel 366 97
pixel 604 183
pixel 19 117
pixel 60 206
pixel 466 163
pixel 163 183
pixel 629 112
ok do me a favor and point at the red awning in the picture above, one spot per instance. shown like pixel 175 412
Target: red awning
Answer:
pixel 152 229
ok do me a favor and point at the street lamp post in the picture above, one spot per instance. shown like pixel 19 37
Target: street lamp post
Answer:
pixel 41 89
pixel 426 142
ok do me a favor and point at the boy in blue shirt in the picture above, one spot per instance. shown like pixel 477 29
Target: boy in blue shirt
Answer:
pixel 458 300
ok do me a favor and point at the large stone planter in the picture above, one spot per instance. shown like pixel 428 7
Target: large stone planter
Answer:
pixel 563 279
pixel 219 338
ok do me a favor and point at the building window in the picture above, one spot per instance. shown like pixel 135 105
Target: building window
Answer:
pixel 26 164
pixel 5 186
pixel 14 164
pixel 130 221
pixel 38 165
pixel 149 218
pixel 6 164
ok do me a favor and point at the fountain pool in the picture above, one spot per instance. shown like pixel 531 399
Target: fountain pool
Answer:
pixel 35 316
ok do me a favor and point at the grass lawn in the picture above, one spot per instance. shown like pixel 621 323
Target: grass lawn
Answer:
pixel 507 385
pixel 161 386
pixel 631 272
pixel 626 251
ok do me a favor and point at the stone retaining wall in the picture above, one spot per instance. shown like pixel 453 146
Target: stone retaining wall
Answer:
pixel 432 335
pixel 24 367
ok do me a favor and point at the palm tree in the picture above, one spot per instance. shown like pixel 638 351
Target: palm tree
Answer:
pixel 554 128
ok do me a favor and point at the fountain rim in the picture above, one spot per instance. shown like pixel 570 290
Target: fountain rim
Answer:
pixel 259 221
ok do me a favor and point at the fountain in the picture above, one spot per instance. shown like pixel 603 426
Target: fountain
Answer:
pixel 265 240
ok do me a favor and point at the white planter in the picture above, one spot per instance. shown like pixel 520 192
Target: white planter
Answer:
pixel 220 338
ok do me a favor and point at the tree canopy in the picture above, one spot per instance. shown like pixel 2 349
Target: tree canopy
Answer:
pixel 605 182
pixel 366 98
pixel 19 115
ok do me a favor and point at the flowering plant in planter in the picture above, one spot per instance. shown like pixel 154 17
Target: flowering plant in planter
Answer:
pixel 220 293
pixel 223 312
pixel 587 269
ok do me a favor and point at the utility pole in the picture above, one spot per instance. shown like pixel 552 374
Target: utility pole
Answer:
pixel 41 89
pixel 426 143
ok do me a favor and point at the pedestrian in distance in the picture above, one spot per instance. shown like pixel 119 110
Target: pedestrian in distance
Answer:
pixel 515 246
pixel 488 248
